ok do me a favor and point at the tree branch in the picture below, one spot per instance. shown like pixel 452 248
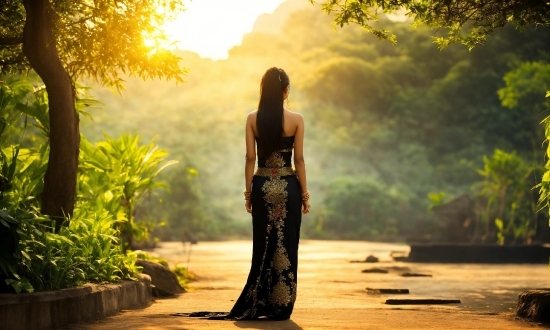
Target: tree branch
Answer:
pixel 11 41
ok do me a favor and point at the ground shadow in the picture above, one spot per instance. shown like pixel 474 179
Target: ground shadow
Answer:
pixel 266 324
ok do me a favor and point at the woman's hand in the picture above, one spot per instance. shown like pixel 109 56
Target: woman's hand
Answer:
pixel 248 206
pixel 305 207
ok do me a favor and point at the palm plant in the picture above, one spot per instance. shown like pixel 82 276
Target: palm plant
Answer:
pixel 116 175
pixel 509 200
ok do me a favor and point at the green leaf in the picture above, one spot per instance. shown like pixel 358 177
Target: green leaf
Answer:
pixel 500 224
pixel 25 255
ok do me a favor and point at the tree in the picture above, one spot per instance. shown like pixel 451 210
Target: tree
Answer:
pixel 65 40
pixel 466 21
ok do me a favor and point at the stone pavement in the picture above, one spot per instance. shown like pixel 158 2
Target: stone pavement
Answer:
pixel 332 295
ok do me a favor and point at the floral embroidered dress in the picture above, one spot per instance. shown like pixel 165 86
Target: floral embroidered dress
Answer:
pixel 270 290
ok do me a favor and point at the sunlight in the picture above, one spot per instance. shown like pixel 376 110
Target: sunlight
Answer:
pixel 212 27
pixel 157 44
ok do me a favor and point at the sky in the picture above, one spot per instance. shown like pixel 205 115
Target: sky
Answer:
pixel 212 27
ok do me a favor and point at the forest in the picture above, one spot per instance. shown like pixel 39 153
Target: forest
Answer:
pixel 391 130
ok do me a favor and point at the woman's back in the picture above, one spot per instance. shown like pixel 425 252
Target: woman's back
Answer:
pixel 291 122
pixel 281 160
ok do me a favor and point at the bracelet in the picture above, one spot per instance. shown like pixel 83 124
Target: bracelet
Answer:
pixel 247 195
pixel 305 196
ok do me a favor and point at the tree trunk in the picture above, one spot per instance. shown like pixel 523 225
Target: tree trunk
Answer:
pixel 39 47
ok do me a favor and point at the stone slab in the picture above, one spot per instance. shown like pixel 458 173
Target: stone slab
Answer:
pixel 387 291
pixel 87 303
pixel 422 301
pixel 375 271
pixel 479 253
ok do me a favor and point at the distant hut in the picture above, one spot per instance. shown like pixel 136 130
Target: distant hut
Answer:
pixel 458 219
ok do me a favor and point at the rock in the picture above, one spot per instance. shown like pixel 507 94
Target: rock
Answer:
pixel 387 291
pixel 415 275
pixel 421 301
pixel 398 268
pixel 375 270
pixel 164 281
pixel 371 258
pixel 401 258
pixel 534 305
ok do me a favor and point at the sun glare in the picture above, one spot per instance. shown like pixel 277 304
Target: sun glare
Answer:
pixel 156 44
pixel 212 27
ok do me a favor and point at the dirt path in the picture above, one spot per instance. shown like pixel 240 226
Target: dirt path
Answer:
pixel 331 291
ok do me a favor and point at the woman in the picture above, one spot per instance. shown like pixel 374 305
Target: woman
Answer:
pixel 276 199
pixel 276 195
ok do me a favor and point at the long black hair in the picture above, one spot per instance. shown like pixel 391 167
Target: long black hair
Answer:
pixel 269 120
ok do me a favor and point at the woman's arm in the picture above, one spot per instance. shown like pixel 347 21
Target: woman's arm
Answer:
pixel 299 161
pixel 250 158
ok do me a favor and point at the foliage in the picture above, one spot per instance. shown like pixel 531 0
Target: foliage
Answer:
pixel 510 201
pixel 524 89
pixel 12 21
pixel 436 199
pixel 25 123
pixel 99 39
pixel 362 210
pixel 36 259
pixel 116 175
pixel 184 275
pixel 142 255
pixel 544 185
pixel 87 250
pixel 12 95
pixel 183 200
pixel 465 21
pixel 526 86
pixel 187 214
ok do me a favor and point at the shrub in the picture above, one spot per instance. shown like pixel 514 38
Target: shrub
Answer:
pixel 114 177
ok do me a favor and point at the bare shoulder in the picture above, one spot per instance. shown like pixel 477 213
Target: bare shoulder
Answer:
pixel 251 116
pixel 295 116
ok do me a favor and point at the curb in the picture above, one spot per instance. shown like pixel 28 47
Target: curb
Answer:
pixel 479 253
pixel 87 303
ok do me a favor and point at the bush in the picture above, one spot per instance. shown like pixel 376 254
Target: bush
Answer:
pixel 86 250
pixel 114 176
pixel 508 199
pixel 363 209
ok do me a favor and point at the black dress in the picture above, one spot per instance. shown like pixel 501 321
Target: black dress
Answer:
pixel 270 290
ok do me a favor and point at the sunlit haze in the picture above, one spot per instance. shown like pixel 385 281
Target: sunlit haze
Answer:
pixel 212 27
